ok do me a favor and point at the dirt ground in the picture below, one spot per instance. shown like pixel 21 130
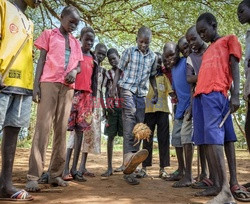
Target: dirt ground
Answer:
pixel 114 190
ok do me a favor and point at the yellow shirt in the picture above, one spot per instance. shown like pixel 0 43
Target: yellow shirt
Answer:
pixel 164 88
pixel 14 27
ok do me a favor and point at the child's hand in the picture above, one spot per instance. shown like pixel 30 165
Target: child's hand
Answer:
pixel 1 82
pixel 188 113
pixel 112 92
pixel 246 91
pixel 234 103
pixel 154 100
pixel 36 94
pixel 71 76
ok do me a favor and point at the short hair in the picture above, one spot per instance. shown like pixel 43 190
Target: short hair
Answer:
pixel 100 45
pixel 179 41
pixel 168 44
pixel 191 29
pixel 144 31
pixel 68 10
pixel 113 51
pixel 246 2
pixel 87 30
pixel 208 17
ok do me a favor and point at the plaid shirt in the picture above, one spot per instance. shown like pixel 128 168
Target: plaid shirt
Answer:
pixel 137 68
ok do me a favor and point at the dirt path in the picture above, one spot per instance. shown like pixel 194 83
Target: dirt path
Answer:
pixel 114 189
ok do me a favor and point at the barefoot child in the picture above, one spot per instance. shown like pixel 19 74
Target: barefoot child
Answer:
pixel 80 119
pixel 92 137
pixel 198 47
pixel 138 66
pixel 113 109
pixel 218 70
pixel 181 135
pixel 158 114
pixel 16 86
pixel 56 71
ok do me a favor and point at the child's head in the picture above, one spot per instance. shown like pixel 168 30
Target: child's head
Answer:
pixel 194 40
pixel 87 38
pixel 33 3
pixel 143 39
pixel 70 18
pixel 206 27
pixel 244 12
pixel 171 55
pixel 100 52
pixel 184 46
pixel 159 60
pixel 113 57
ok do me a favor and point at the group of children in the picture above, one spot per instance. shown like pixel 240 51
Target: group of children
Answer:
pixel 68 88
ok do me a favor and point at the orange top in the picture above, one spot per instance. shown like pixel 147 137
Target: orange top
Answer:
pixel 215 72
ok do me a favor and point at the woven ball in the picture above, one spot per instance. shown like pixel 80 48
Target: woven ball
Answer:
pixel 141 132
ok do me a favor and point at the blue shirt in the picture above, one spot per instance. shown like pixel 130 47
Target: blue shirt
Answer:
pixel 181 87
pixel 137 68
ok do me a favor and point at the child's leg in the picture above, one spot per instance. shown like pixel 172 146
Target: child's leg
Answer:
pixel 247 125
pixel 77 149
pixel 83 170
pixel 203 162
pixel 57 162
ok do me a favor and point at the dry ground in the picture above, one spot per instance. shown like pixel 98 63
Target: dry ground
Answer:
pixel 114 189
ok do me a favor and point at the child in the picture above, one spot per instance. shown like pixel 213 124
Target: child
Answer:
pixel 244 17
pixel 181 135
pixel 15 86
pixel 137 64
pixel 218 69
pixel 157 114
pixel 198 47
pixel 92 138
pixel 114 111
pixel 53 91
pixel 80 119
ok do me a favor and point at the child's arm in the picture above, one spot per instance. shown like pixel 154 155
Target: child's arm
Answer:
pixel 235 101
pixel 154 86
pixel 116 79
pixel 39 70
pixel 71 76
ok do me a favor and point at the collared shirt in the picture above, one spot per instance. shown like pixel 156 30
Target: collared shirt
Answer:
pixel 54 43
pixel 137 68
pixel 215 73
pixel 181 87
pixel 14 28
pixel 164 88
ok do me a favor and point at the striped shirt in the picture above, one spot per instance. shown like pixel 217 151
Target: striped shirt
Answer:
pixel 137 68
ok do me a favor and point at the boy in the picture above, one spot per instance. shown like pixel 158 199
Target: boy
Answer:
pixel 158 114
pixel 113 109
pixel 16 86
pixel 218 70
pixel 138 66
pixel 181 135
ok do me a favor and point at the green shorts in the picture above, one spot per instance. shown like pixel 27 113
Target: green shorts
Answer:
pixel 113 125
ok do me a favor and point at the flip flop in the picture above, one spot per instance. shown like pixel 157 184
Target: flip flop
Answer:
pixel 44 179
pixel 142 173
pixel 204 184
pixel 163 174
pixel 77 176
pixel 135 160
pixel 175 176
pixel 238 191
pixel 21 195
pixel 67 177
pixel 89 174
pixel 131 180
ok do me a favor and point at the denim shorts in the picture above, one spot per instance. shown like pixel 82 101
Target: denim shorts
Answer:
pixel 15 110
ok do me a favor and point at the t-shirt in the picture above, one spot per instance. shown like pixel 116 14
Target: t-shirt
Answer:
pixel 215 72
pixel 194 64
pixel 164 88
pixel 83 79
pixel 14 28
pixel 181 87
pixel 247 55
pixel 54 43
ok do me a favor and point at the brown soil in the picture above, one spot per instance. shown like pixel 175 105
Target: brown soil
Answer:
pixel 114 189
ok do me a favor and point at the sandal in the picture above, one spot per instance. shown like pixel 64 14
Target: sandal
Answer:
pixel 142 173
pixel 163 174
pixel 77 176
pixel 240 193
pixel 204 184
pixel 130 179
pixel 21 195
pixel 247 186
pixel 89 174
pixel 67 177
pixel 176 176
pixel 44 179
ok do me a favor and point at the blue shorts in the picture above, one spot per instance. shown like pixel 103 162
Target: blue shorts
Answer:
pixel 15 110
pixel 208 112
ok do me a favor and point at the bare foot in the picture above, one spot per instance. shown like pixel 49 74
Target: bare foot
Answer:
pixel 223 197
pixel 6 192
pixel 58 181
pixel 108 173
pixel 186 181
pixel 32 186
pixel 120 169
pixel 211 191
